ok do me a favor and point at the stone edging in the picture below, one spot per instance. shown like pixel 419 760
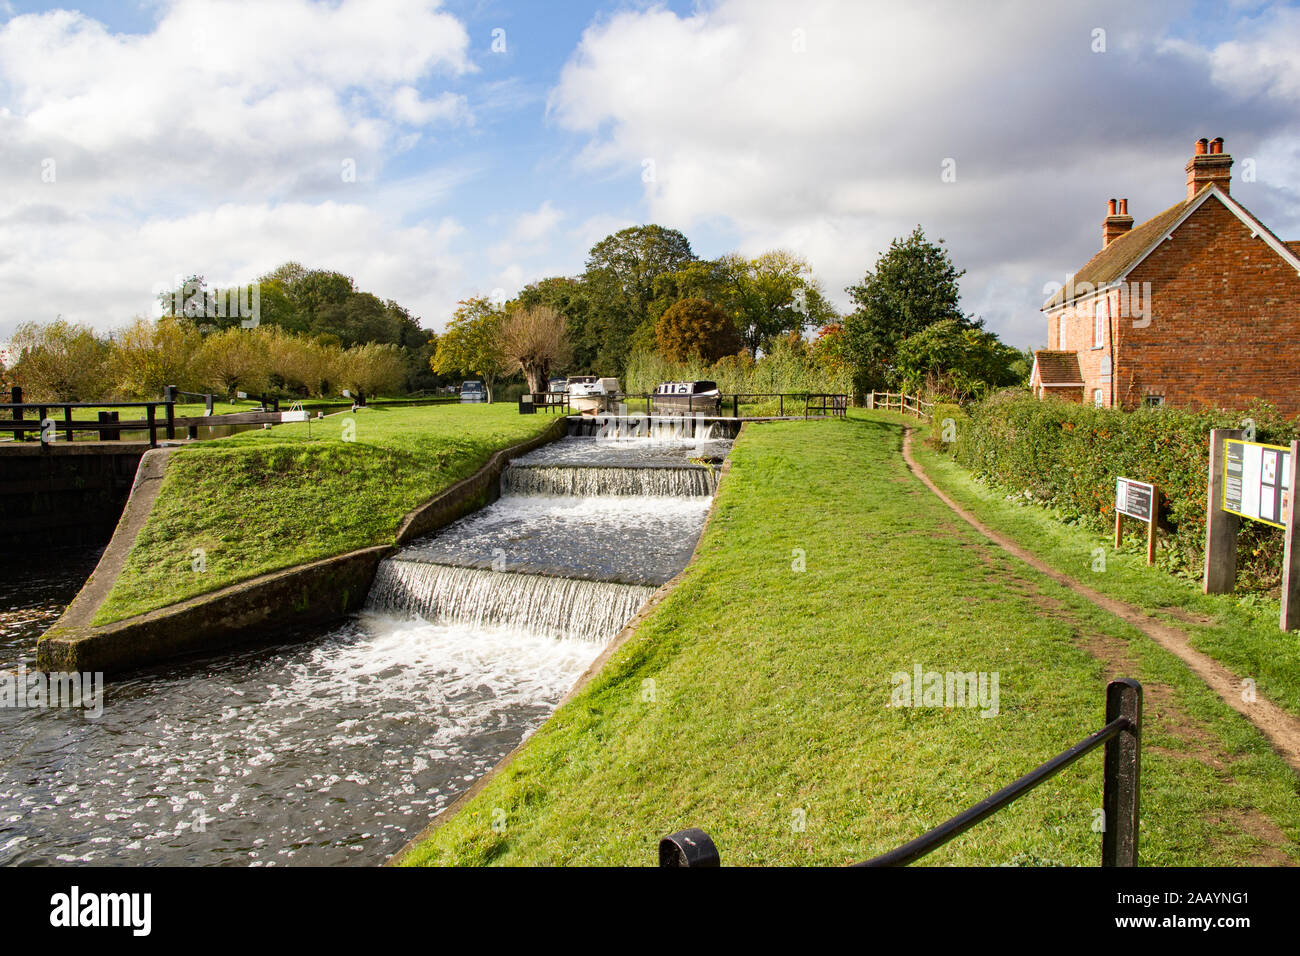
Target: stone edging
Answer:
pixel 308 594
pixel 594 668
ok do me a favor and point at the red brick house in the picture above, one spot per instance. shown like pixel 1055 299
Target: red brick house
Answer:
pixel 1197 306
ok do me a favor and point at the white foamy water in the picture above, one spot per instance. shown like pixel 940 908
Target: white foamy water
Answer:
pixel 330 752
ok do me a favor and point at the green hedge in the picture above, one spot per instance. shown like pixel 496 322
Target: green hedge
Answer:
pixel 1066 457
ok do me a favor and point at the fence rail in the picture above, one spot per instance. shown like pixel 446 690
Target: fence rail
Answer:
pixel 1121 736
pixel 799 404
pixel 901 403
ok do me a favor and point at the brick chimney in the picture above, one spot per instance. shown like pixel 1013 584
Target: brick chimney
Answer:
pixel 1210 165
pixel 1117 221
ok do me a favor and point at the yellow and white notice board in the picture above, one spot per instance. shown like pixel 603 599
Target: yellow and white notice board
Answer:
pixel 1256 481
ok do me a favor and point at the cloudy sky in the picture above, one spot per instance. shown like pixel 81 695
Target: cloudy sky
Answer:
pixel 439 150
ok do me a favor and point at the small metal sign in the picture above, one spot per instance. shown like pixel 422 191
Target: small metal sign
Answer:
pixel 1137 499
pixel 1134 498
pixel 1256 481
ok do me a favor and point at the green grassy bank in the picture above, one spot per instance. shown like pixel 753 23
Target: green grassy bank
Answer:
pixel 1239 631
pixel 259 501
pixel 755 701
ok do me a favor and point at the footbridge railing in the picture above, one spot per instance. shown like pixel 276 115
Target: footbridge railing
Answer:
pixel 1122 738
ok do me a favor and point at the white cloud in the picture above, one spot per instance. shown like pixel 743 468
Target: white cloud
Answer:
pixel 823 126
pixel 233 136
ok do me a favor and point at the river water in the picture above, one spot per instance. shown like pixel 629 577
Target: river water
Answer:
pixel 336 746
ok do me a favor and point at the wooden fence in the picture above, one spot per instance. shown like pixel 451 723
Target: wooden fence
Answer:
pixel 898 402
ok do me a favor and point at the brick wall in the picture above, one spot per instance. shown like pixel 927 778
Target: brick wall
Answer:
pixel 1225 320
pixel 1224 324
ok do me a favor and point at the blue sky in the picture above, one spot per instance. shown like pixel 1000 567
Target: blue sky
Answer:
pixel 142 141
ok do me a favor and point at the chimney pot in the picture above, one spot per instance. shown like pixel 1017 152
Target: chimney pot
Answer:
pixel 1117 221
pixel 1110 208
pixel 1210 165
pixel 1123 207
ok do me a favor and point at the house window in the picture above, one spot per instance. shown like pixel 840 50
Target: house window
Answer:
pixel 1153 401
pixel 1060 335
pixel 1098 397
pixel 1099 323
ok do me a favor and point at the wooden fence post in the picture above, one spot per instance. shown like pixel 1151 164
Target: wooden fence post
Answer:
pixel 1291 550
pixel 1221 527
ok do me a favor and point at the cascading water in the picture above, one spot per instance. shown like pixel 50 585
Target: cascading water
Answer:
pixel 532 603
pixel 662 481
pixel 333 747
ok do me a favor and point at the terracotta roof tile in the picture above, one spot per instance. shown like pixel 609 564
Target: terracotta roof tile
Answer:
pixel 1115 259
pixel 1058 368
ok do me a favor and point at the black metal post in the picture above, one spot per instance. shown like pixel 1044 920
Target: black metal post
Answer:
pixel 16 397
pixel 67 420
pixel 1123 765
pixel 153 430
pixel 169 396
pixel 735 405
pixel 688 848
pixel 207 402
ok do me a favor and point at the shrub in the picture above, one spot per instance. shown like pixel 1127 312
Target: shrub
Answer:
pixel 1066 457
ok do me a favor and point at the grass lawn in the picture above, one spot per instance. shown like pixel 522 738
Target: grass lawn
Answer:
pixel 755 701
pixel 269 499
pixel 1240 632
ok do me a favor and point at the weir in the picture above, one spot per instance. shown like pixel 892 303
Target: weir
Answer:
pixel 584 531
pixel 595 480
pixel 537 604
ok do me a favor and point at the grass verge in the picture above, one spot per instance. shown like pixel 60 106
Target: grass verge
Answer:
pixel 755 701
pixel 260 501
pixel 1240 632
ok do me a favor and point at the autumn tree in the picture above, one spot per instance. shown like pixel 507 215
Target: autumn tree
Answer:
pixel 694 328
pixel 235 359
pixel 472 343
pixel 534 339
pixel 58 361
pixel 372 369
pixel 150 354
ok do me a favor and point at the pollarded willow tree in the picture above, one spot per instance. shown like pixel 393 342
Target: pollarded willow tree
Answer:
pixel 535 339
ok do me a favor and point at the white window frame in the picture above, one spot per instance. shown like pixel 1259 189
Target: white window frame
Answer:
pixel 1098 397
pixel 1060 334
pixel 1099 317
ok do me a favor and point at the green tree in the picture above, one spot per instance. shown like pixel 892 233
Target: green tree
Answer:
pixel 694 328
pixel 619 282
pixel 951 360
pixel 472 343
pixel 914 285
pixel 772 296
pixel 534 339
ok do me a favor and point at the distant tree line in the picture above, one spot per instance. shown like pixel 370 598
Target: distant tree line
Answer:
pixel 645 300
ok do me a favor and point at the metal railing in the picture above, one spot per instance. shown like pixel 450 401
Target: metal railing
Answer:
pixel 1121 771
pixel 728 405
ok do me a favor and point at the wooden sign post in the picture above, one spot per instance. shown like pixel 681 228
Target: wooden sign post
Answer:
pixel 1258 482
pixel 1291 550
pixel 1139 500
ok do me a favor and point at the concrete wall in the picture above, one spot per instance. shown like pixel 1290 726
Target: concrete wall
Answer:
pixel 63 493
pixel 272 604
